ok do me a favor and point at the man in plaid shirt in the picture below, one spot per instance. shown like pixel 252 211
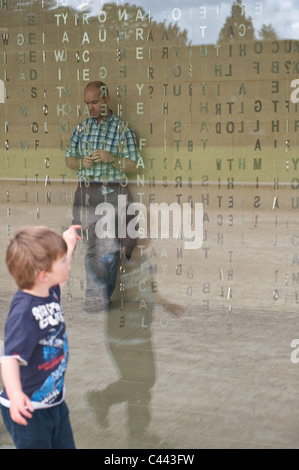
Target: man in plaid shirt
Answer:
pixel 102 150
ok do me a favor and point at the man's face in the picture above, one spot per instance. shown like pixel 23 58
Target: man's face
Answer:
pixel 97 102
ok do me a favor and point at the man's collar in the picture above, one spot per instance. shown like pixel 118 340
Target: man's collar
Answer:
pixel 108 118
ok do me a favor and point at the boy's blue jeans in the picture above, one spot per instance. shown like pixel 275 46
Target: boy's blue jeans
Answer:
pixel 48 428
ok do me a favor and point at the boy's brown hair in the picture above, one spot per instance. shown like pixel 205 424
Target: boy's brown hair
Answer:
pixel 32 250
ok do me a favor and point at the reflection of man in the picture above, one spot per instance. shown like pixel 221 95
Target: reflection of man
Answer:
pixel 102 150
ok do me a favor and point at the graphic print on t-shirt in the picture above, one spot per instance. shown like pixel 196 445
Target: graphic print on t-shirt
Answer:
pixel 55 354
pixel 48 314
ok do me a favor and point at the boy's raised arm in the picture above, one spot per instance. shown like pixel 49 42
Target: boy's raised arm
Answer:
pixel 71 237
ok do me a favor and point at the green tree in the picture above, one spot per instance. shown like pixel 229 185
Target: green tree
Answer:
pixel 237 27
pixel 267 33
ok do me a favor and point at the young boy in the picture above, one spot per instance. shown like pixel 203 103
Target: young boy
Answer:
pixel 35 354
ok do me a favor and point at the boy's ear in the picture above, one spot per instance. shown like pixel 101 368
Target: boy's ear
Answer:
pixel 43 277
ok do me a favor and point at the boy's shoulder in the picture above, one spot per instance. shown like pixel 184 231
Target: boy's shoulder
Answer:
pixel 19 314
pixel 21 297
pixel 26 300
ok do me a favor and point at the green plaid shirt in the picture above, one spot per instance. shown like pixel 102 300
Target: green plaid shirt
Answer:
pixel 113 136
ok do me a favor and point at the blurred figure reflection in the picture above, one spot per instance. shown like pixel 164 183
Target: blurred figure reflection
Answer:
pixel 129 343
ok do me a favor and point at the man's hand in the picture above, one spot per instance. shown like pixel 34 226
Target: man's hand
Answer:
pixel 96 157
pixel 87 162
pixel 101 156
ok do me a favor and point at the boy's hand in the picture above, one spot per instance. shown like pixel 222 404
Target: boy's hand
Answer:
pixel 71 236
pixel 20 408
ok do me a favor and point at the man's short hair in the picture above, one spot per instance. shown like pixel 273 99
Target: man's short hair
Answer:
pixel 102 87
pixel 32 250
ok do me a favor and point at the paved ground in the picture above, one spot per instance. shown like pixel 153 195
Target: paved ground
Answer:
pixel 221 374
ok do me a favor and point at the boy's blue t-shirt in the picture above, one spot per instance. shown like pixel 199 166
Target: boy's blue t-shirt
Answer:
pixel 35 335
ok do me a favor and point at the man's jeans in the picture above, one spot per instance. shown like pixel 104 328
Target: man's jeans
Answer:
pixel 102 254
pixel 101 270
